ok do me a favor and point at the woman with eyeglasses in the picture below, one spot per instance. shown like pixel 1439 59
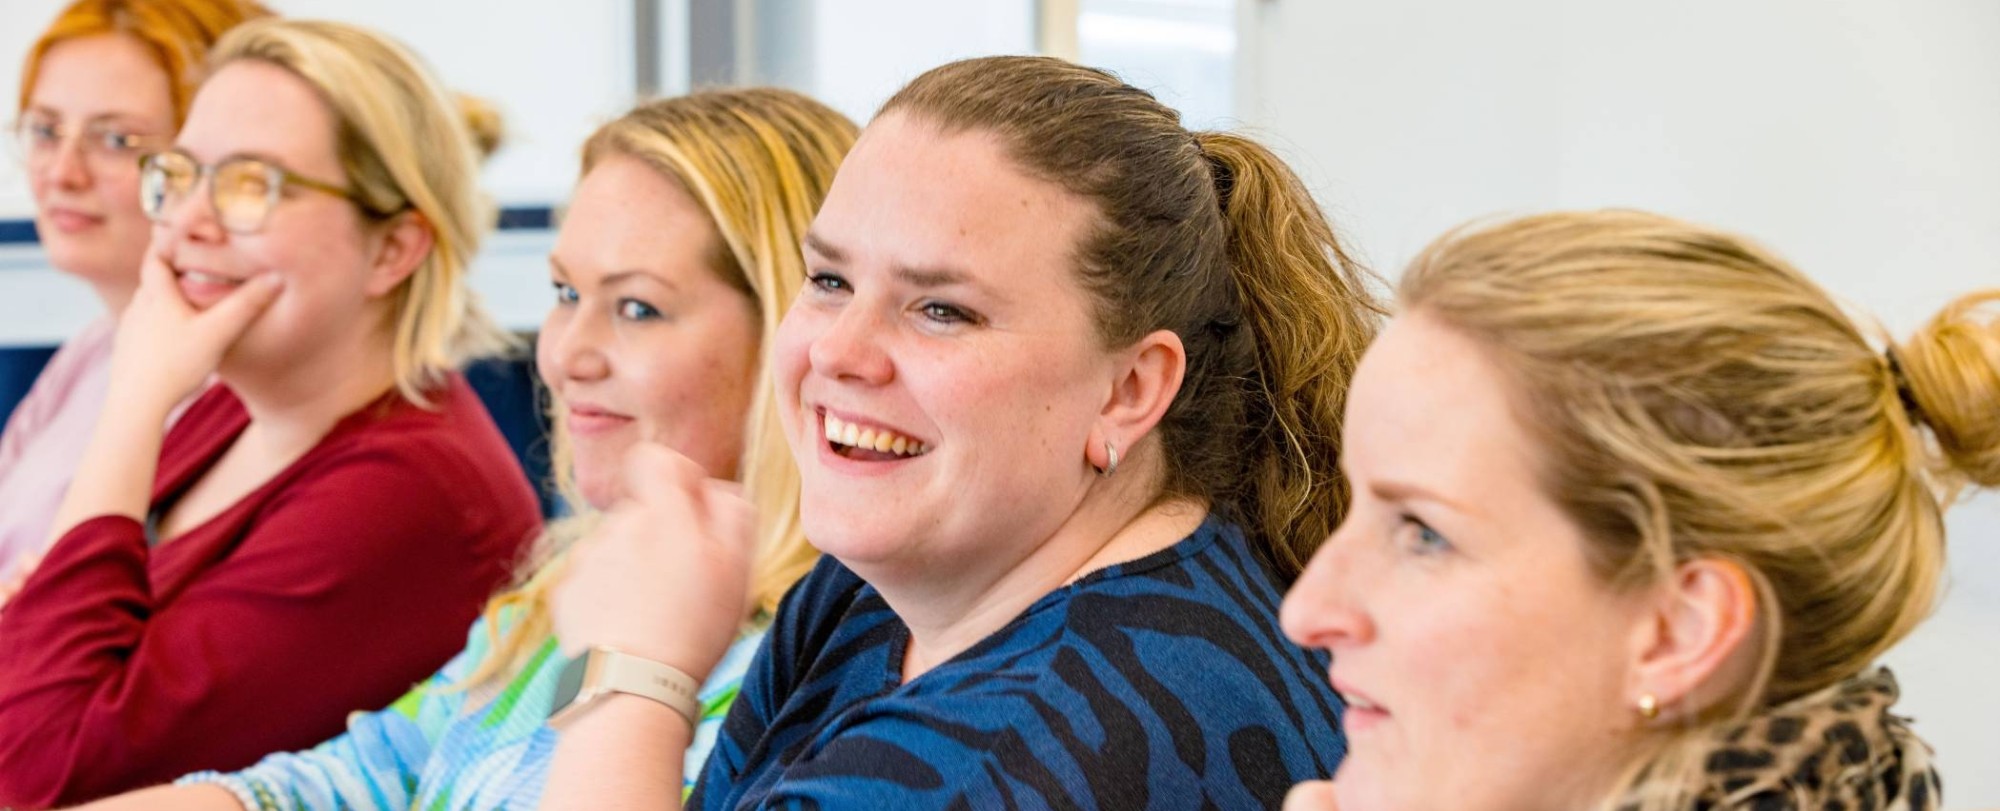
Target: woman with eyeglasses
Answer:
pixel 677 253
pixel 316 531
pixel 108 81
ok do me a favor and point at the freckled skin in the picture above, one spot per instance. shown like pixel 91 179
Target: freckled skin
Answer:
pixel 685 378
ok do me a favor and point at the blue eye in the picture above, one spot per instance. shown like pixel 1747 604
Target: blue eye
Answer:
pixel 826 282
pixel 1427 541
pixel 632 309
pixel 565 294
pixel 117 142
pixel 946 313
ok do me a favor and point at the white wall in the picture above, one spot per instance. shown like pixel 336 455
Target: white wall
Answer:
pixel 853 54
pixel 1861 139
pixel 555 70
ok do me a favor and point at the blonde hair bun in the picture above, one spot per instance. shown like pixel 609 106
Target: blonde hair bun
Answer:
pixel 1951 371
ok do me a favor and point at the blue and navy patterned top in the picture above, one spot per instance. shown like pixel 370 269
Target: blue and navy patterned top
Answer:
pixel 1163 682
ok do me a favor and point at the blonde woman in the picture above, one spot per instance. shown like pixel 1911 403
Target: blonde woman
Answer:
pixel 675 260
pixel 315 531
pixel 1637 507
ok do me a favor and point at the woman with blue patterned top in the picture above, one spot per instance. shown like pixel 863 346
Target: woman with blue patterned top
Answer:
pixel 674 260
pixel 1064 389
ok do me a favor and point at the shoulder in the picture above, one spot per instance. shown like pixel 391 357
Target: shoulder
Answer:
pixel 449 449
pixel 76 369
pixel 454 418
pixel 86 352
pixel 1211 586
pixel 1182 641
pixel 820 603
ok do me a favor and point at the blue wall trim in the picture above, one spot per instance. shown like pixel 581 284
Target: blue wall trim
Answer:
pixel 18 367
pixel 518 218
pixel 14 232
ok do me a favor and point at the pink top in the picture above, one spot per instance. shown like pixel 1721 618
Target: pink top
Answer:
pixel 45 439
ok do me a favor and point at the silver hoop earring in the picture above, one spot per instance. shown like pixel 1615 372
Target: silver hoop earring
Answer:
pixel 1111 455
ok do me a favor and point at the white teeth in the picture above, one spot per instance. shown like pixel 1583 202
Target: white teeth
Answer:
pixel 199 277
pixel 880 440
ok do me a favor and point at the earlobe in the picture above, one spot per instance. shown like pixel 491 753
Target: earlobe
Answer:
pixel 405 244
pixel 1698 649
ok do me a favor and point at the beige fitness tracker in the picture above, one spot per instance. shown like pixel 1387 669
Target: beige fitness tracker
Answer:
pixel 602 671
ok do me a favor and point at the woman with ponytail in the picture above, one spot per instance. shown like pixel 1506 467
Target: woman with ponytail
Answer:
pixel 1063 387
pixel 1664 502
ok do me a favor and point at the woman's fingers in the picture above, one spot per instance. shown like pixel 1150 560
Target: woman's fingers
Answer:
pixel 665 573
pixel 1314 795
pixel 227 320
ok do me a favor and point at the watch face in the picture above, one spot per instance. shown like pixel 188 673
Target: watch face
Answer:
pixel 570 681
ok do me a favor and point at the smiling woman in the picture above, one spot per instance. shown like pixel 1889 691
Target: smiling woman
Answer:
pixel 341 489
pixel 108 80
pixel 1061 387
pixel 672 263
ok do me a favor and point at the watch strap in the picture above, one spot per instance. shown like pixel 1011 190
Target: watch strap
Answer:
pixel 607 671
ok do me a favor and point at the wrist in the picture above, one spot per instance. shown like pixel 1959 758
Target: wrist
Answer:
pixel 137 407
pixel 601 674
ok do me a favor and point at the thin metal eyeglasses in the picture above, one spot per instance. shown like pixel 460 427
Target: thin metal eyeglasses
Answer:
pixel 242 189
pixel 40 137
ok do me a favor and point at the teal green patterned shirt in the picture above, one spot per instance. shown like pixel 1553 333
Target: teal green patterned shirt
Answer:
pixel 434 751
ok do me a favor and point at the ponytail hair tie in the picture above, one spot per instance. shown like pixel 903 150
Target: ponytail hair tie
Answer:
pixel 1904 393
pixel 1220 174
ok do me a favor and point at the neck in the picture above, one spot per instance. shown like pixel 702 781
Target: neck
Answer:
pixel 1117 521
pixel 296 403
pixel 115 295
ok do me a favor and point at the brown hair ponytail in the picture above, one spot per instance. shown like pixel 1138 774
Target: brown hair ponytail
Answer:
pixel 1307 305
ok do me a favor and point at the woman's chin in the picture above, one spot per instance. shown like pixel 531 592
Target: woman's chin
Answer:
pixel 95 263
pixel 598 492
pixel 855 538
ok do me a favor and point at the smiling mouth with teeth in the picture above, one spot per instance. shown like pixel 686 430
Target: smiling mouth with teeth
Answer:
pixel 870 444
pixel 199 277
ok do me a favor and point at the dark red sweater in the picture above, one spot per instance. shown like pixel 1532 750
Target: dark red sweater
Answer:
pixel 333 587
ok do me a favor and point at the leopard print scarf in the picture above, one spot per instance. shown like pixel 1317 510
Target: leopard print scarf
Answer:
pixel 1837 748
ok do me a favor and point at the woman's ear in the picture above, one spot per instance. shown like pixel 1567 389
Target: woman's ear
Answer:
pixel 1696 645
pixel 405 244
pixel 1143 385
